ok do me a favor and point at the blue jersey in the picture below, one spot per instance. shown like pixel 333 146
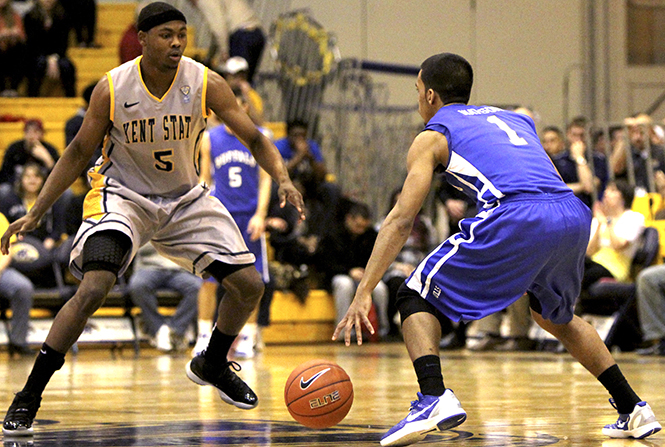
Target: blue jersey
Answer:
pixel 530 233
pixel 235 175
pixel 494 154
pixel 235 172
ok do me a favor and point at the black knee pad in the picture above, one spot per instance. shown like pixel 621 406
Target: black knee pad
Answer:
pixel 410 302
pixel 534 304
pixel 106 250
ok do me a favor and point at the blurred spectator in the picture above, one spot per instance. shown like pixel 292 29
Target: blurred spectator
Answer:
pixel 18 290
pixel 236 71
pixel 294 248
pixel 456 206
pixel 640 132
pixel 237 32
pixel 46 238
pixel 519 320
pixel 151 273
pixel 601 153
pixel 12 50
pixel 19 201
pixel 130 48
pixel 421 240
pixel 306 165
pixel 47 31
pixel 32 148
pixel 651 309
pixel 74 123
pixel 83 16
pixel 342 256
pixel 571 163
pixel 615 230
pixel 577 139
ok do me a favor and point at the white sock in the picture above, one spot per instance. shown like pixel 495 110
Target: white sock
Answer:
pixel 205 326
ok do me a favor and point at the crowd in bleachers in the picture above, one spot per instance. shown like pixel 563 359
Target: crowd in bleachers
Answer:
pixel 605 168
pixel 34 39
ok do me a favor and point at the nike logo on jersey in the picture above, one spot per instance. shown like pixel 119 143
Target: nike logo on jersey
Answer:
pixel 414 416
pixel 304 384
pixel 127 106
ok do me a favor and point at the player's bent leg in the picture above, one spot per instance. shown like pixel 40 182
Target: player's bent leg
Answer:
pixel 421 328
pixel 584 343
pixel 73 316
pixel 65 330
pixel 581 340
pixel 244 288
pixel 103 256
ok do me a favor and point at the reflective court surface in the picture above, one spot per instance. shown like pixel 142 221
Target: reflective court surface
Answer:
pixel 105 398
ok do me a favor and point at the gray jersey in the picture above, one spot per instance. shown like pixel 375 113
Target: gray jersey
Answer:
pixel 153 146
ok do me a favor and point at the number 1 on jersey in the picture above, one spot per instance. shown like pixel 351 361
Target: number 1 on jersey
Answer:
pixel 512 135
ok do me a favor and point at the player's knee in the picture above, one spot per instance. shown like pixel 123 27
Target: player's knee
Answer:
pixel 91 293
pixel 410 302
pixel 254 291
pixel 106 250
pixel 245 286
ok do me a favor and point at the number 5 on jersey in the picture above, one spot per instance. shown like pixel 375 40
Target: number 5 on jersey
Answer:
pixel 162 158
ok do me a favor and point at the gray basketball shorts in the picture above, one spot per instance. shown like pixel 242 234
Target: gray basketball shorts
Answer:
pixel 192 230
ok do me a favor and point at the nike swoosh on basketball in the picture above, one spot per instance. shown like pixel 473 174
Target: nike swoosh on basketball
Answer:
pixel 411 417
pixel 131 105
pixel 304 384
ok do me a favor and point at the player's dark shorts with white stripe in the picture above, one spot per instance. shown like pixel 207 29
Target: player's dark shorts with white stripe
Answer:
pixel 531 242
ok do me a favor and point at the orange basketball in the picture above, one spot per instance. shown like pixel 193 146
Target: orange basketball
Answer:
pixel 318 393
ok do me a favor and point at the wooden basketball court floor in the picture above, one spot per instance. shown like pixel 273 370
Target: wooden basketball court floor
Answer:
pixel 105 398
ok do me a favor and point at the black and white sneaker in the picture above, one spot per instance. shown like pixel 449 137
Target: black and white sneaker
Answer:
pixel 21 413
pixel 231 388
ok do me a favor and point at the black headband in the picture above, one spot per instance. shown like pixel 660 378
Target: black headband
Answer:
pixel 157 13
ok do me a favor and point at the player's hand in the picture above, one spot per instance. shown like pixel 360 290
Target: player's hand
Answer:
pixel 256 227
pixel 356 317
pixel 20 227
pixel 288 192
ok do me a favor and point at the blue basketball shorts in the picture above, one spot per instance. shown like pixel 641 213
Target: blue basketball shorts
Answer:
pixel 534 243
pixel 257 247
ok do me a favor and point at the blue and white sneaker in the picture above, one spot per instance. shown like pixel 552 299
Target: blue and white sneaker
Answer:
pixel 638 424
pixel 427 414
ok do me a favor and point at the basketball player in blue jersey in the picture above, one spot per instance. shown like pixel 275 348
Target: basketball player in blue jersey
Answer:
pixel 151 113
pixel 529 236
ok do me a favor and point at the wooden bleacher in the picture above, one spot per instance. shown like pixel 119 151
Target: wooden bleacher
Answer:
pixel 293 322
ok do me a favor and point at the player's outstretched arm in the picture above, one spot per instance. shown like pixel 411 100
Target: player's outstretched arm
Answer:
pixel 428 150
pixel 221 100
pixel 68 168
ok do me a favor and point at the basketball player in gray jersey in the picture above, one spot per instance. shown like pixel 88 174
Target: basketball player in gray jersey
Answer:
pixel 151 113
